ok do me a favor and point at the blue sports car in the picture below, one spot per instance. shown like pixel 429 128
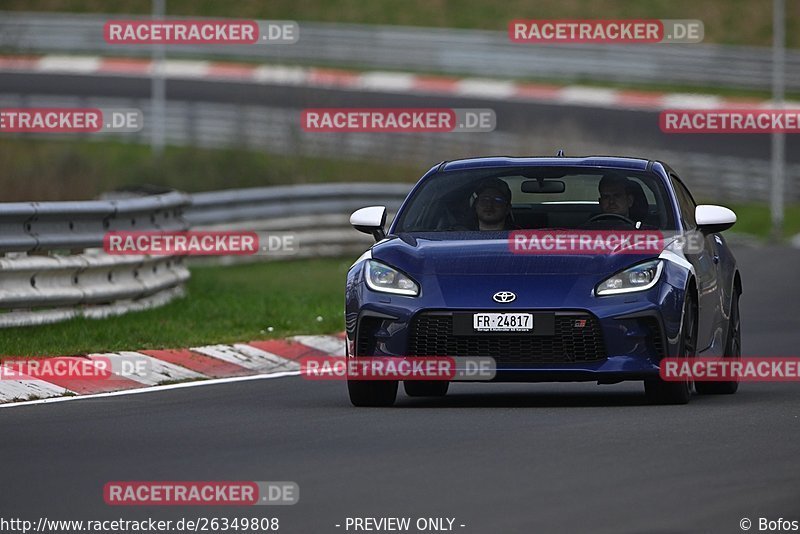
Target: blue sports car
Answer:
pixel 455 275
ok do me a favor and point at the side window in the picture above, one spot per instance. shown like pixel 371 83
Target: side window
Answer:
pixel 685 202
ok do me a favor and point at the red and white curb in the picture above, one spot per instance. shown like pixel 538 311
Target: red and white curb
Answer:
pixel 375 81
pixel 271 358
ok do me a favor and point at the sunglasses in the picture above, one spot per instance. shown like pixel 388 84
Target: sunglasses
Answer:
pixel 486 200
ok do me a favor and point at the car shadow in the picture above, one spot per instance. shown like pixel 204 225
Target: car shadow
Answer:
pixel 530 397
pixel 525 400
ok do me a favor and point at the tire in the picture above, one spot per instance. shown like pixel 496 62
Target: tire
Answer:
pixel 733 350
pixel 426 388
pixel 372 393
pixel 659 391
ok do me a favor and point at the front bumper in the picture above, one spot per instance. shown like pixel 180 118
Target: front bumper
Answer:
pixel 634 331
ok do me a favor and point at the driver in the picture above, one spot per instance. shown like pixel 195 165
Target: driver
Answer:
pixel 493 205
pixel 615 196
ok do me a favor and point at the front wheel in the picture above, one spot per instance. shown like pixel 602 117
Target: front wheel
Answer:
pixel 660 391
pixel 733 350
pixel 374 393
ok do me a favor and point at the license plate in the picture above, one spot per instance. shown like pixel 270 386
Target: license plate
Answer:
pixel 502 322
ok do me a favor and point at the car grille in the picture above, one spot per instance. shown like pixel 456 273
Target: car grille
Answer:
pixel 432 335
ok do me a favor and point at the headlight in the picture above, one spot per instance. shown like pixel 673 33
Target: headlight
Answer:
pixel 637 278
pixel 385 279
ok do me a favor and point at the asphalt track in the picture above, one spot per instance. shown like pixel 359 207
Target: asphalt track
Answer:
pixel 550 126
pixel 540 458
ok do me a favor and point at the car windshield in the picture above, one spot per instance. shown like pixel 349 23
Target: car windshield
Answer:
pixel 537 198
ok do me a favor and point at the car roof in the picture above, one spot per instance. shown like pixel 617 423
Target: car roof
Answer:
pixel 588 161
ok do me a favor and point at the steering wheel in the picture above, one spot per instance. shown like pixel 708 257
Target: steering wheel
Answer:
pixel 601 216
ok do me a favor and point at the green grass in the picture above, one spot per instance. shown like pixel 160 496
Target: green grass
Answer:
pixel 754 219
pixel 223 305
pixel 36 169
pixel 726 21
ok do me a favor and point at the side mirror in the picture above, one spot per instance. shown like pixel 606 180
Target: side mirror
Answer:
pixel 712 219
pixel 370 221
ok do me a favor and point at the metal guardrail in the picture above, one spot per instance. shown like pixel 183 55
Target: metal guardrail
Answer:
pixel 282 202
pixel 52 269
pixel 45 226
pixel 473 52
pixel 316 215
pixel 46 289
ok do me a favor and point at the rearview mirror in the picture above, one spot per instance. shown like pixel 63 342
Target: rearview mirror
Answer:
pixel 543 186
pixel 370 220
pixel 712 219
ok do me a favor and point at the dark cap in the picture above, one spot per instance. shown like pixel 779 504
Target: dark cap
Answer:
pixel 497 184
pixel 613 180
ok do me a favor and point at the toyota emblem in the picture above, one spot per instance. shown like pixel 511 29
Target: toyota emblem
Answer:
pixel 504 296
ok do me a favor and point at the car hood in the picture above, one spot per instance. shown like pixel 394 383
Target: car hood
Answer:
pixel 488 257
